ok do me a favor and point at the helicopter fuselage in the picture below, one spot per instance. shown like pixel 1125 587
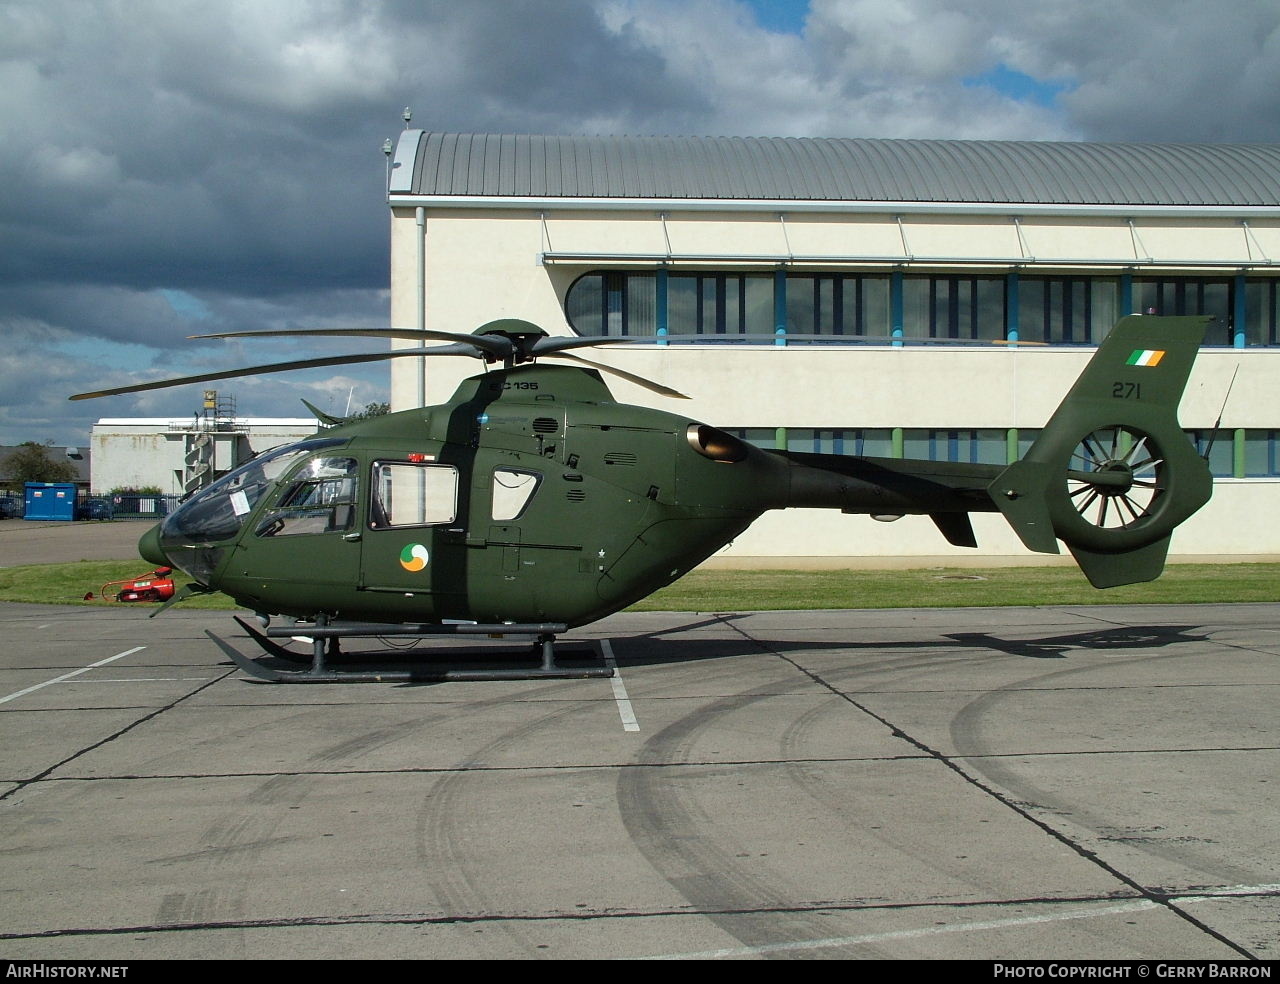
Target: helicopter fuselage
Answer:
pixel 530 497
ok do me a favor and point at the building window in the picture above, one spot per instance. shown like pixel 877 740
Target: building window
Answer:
pixel 1221 453
pixel 969 308
pixel 1067 310
pixel 988 446
pixel 1261 455
pixel 830 304
pixel 869 442
pixel 1262 312
pixel 1026 437
pixel 720 304
pixel 820 307
pixel 613 304
pixel 1188 295
pixel 761 437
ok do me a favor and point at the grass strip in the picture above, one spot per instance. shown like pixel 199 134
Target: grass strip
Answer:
pixel 724 590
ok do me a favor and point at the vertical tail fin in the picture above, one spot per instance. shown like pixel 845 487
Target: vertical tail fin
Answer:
pixel 1112 473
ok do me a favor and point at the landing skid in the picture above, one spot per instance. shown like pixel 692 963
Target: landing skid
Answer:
pixel 326 649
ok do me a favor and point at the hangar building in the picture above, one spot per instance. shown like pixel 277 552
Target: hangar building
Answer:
pixel 180 456
pixel 919 298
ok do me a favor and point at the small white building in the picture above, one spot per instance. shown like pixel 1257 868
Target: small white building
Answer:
pixel 801 290
pixel 177 456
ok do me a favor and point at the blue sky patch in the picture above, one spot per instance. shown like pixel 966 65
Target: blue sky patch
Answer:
pixel 1019 86
pixel 185 304
pixel 780 16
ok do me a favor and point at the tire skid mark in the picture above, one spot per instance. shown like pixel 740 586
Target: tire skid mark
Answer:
pixel 967 727
pixel 237 843
pixel 443 820
pixel 814 780
pixel 666 824
pixel 1017 807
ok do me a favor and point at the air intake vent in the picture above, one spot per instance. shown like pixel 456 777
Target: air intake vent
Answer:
pixel 620 458
pixel 576 495
pixel 545 425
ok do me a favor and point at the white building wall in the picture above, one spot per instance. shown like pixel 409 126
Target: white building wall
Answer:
pixel 143 452
pixel 485 264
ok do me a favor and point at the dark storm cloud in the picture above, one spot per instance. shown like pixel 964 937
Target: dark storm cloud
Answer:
pixel 1143 70
pixel 1154 70
pixel 175 167
pixel 168 160
pixel 538 67
pixel 237 145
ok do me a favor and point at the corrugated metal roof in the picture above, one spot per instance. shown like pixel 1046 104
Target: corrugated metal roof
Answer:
pixel 859 170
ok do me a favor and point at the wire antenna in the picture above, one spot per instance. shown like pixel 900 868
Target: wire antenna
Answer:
pixel 1213 435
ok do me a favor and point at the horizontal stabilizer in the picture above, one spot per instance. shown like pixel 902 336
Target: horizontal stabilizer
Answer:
pixel 1021 494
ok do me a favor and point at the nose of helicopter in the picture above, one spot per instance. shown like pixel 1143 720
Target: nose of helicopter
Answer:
pixel 149 547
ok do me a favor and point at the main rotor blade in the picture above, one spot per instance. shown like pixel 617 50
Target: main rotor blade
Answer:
pixel 336 360
pixel 630 377
pixel 758 338
pixel 558 343
pixel 495 345
pixel 492 344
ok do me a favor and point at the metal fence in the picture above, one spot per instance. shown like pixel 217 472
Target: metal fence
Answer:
pixel 101 506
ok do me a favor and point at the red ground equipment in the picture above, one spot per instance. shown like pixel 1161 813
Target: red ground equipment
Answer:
pixel 155 586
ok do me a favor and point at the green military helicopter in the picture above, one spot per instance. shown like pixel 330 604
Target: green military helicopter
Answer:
pixel 533 502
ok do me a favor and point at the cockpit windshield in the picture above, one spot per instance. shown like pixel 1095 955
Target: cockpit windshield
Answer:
pixel 218 512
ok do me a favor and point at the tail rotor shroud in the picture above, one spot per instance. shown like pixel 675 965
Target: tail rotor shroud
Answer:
pixel 1112 473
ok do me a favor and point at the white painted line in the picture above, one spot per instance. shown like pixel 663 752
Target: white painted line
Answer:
pixel 73 673
pixel 625 711
pixel 744 951
pixel 97 680
pixel 1137 905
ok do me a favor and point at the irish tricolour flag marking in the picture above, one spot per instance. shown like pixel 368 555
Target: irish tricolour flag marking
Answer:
pixel 1145 357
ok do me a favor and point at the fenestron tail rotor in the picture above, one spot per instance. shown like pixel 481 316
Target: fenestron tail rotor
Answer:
pixel 1116 476
pixel 509 341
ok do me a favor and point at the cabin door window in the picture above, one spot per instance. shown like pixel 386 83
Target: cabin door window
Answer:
pixel 411 494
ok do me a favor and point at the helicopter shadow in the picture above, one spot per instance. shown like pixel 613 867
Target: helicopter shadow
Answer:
pixel 1057 647
pixel 632 649
pixel 659 648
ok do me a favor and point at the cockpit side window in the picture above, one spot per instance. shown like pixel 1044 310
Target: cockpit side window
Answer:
pixel 219 511
pixel 413 494
pixel 320 497
pixel 513 489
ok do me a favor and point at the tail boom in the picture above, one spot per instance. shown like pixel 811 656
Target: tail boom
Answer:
pixel 1111 474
